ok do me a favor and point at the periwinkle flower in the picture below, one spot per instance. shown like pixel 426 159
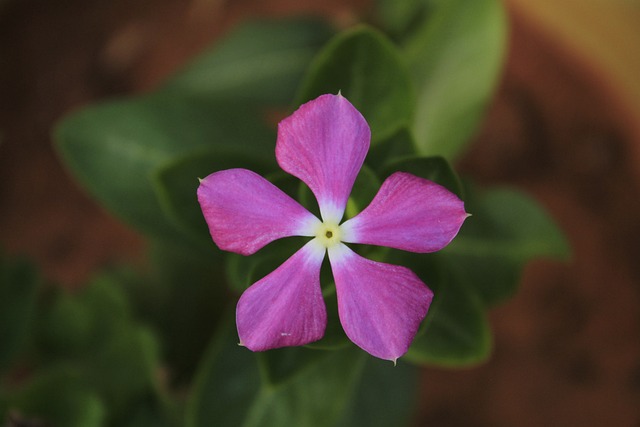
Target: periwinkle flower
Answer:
pixel 380 305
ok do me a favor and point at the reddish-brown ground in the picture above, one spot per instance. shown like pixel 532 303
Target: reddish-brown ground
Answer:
pixel 567 347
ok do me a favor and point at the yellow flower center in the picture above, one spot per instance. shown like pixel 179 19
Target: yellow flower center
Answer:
pixel 328 234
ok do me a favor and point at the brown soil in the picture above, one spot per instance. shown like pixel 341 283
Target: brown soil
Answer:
pixel 566 347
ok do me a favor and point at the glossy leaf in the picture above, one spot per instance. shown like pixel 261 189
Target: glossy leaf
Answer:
pixel 234 388
pixel 190 293
pixel 385 396
pixel 399 145
pixel 259 63
pixel 115 148
pixel 435 168
pixel 18 288
pixel 455 59
pixel 456 331
pixel 365 67
pixel 506 230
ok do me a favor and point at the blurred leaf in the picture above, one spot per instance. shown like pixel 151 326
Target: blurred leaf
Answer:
pixel 176 183
pixel 456 331
pixel 18 288
pixel 455 58
pixel 60 398
pixel 233 389
pixel 259 63
pixel 365 66
pixel 111 354
pixel 194 294
pixel 124 370
pixel 436 169
pixel 399 16
pixel 507 230
pixel 115 148
pixel 384 397
pixel 397 146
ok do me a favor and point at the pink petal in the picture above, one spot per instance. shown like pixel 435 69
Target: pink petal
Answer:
pixel 285 308
pixel 245 211
pixel 380 305
pixel 324 143
pixel 408 213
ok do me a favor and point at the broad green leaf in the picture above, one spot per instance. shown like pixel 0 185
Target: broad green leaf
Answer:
pixel 227 383
pixel 18 288
pixel 397 146
pixel 112 355
pixel 384 397
pixel 176 183
pixel 506 230
pixel 235 389
pixel 398 17
pixel 455 59
pixel 434 168
pixel 124 369
pixel 115 148
pixel 259 63
pixel 59 397
pixel 193 295
pixel 366 68
pixel 456 331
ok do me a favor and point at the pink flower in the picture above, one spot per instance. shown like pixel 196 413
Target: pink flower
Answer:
pixel 380 305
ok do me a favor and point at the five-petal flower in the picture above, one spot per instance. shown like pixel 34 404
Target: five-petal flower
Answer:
pixel 381 306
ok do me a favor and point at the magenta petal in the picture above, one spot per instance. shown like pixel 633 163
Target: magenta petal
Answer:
pixel 245 211
pixel 380 305
pixel 285 308
pixel 408 213
pixel 324 143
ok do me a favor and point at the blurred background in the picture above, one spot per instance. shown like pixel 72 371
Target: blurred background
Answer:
pixel 564 126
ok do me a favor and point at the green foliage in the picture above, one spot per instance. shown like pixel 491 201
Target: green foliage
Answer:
pixel 366 68
pixel 91 362
pixel 455 56
pixel 122 150
pixel 507 230
pixel 315 388
pixel 18 287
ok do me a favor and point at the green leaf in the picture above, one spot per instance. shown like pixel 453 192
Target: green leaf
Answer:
pixel 506 230
pixel 193 296
pixel 259 63
pixel 18 288
pixel 59 397
pixel 436 169
pixel 235 389
pixel 94 332
pixel 365 67
pixel 456 332
pixel 397 146
pixel 398 17
pixel 384 397
pixel 455 58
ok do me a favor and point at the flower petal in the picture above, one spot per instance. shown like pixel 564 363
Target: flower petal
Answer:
pixel 380 305
pixel 285 308
pixel 244 211
pixel 408 213
pixel 324 143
